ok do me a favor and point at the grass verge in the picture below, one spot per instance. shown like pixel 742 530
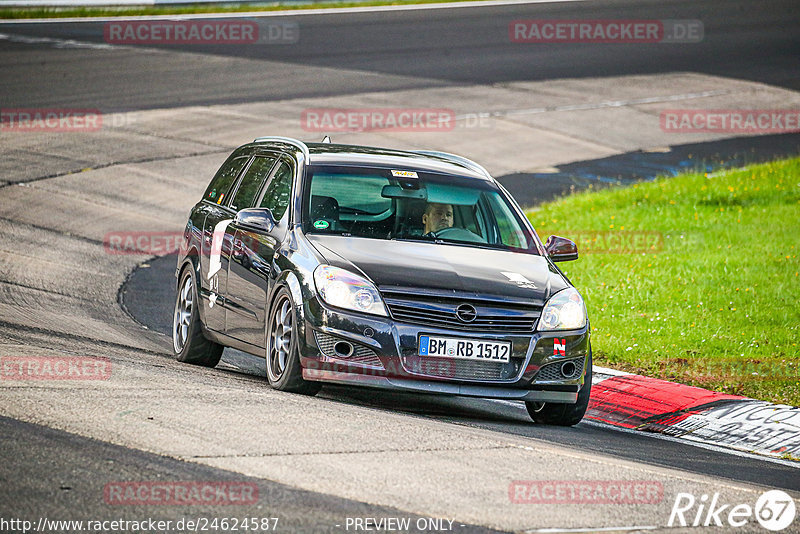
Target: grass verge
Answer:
pixel 693 279
pixel 138 11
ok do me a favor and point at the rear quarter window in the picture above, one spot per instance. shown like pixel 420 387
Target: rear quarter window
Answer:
pixel 279 190
pixel 226 175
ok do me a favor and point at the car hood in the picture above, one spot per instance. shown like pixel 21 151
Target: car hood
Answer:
pixel 443 268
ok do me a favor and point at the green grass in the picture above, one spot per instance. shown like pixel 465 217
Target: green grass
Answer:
pixel 719 301
pixel 136 11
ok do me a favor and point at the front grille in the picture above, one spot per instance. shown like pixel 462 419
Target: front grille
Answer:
pixel 361 354
pixel 457 369
pixel 440 312
pixel 552 371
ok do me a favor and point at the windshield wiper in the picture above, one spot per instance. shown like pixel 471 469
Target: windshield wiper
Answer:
pixel 438 241
pixel 421 239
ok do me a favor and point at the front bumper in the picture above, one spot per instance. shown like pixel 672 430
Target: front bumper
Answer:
pixel 385 357
pixel 443 388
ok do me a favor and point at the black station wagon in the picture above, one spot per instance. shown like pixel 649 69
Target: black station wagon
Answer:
pixel 412 271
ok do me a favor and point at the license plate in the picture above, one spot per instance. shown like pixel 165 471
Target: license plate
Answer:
pixel 466 349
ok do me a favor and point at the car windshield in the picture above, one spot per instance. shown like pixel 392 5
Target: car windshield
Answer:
pixel 407 204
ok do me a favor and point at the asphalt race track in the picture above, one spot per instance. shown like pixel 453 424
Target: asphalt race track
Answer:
pixel 144 297
pixel 754 41
pixel 550 118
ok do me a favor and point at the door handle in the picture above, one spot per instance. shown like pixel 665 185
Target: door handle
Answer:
pixel 237 249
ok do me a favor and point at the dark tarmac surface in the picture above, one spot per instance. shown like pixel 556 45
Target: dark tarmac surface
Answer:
pixel 58 476
pixel 400 50
pixel 148 297
pixel 48 472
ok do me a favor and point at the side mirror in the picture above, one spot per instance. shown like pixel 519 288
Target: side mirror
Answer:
pixel 561 249
pixel 259 219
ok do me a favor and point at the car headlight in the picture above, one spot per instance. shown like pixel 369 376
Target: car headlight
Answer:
pixel 564 311
pixel 344 289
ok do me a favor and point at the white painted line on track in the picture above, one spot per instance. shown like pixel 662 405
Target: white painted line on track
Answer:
pixel 57 43
pixel 71 43
pixel 292 12
pixel 600 105
pixel 608 371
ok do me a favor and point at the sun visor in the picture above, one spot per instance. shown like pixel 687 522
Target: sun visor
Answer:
pixel 452 194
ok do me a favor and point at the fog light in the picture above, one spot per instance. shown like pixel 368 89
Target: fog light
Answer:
pixel 343 349
pixel 568 369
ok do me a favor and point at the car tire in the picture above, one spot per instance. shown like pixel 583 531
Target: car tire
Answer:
pixel 284 371
pixel 551 413
pixel 188 341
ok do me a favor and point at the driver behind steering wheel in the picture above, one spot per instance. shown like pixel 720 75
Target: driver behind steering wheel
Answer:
pixel 437 217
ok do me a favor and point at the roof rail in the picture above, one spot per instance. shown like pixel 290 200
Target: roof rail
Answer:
pixel 454 158
pixel 288 140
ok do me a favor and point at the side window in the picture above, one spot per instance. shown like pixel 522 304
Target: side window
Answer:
pixel 251 182
pixel 504 220
pixel 279 191
pixel 222 181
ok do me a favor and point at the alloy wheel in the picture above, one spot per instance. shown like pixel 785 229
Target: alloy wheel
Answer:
pixel 183 314
pixel 281 335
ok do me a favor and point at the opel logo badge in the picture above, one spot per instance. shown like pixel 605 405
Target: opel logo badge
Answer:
pixel 466 313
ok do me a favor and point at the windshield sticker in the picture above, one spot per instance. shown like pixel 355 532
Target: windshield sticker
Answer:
pixel 321 225
pixel 404 174
pixel 519 279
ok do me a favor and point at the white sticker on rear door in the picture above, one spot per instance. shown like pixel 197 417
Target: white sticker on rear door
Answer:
pixel 215 263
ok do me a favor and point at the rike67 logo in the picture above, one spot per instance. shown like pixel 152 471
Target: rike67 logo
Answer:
pixel 774 510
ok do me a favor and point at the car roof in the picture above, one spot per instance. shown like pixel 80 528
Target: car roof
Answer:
pixel 339 154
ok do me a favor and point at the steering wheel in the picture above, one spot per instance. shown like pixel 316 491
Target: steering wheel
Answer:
pixel 457 234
